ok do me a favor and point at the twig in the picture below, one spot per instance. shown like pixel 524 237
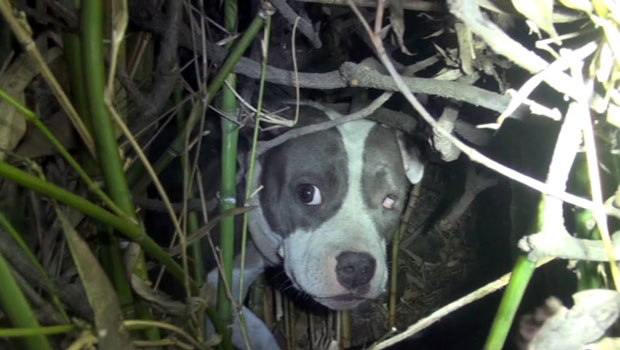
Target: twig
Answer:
pixel 477 156
pixel 469 12
pixel 447 121
pixel 474 185
pixel 159 206
pixel 359 75
pixel 291 134
pixel 448 309
pixel 21 30
pixel 415 5
pixel 305 26
pixel 593 170
pixel 561 64
pixel 414 195
pixel 564 246
pixel 350 74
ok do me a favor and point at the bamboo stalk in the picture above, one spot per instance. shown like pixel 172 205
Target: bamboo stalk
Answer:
pixel 251 172
pixel 18 310
pixel 129 229
pixel 135 177
pixel 33 259
pixel 346 330
pixel 73 56
pixel 91 22
pixel 228 189
pixel 413 196
pixel 103 130
pixel 28 332
pixel 522 273
pixel 192 223
pixel 92 186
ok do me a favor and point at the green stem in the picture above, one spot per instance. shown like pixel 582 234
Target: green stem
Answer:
pixel 228 189
pixel 129 229
pixel 92 15
pixel 252 170
pixel 28 332
pixel 73 56
pixel 103 129
pixel 18 310
pixel 228 194
pixel 4 221
pixel 92 186
pixel 135 175
pixel 192 222
pixel 511 300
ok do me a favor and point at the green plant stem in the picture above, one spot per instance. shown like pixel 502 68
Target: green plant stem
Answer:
pixel 129 229
pixel 28 332
pixel 73 56
pixel 4 221
pixel 132 231
pixel 521 275
pixel 135 175
pixel 105 138
pixel 588 276
pixel 18 310
pixel 103 129
pixel 252 170
pixel 228 194
pixel 92 15
pixel 115 269
pixel 198 270
pixel 92 186
pixel 228 189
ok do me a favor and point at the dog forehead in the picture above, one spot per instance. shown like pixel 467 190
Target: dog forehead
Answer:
pixel 336 161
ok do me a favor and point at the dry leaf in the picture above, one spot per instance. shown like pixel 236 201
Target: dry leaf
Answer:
pixel 13 82
pixel 538 11
pixel 582 5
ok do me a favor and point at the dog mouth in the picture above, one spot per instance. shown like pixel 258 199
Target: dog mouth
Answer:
pixel 342 301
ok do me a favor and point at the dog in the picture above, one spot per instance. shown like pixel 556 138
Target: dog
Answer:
pixel 329 204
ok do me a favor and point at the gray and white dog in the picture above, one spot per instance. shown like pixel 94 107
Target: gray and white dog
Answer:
pixel 330 202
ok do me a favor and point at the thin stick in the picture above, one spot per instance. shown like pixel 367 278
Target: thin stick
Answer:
pixel 473 154
pixel 448 309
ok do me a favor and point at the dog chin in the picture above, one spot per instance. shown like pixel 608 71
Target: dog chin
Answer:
pixel 344 302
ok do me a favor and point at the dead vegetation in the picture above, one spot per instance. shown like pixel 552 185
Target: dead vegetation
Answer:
pixel 509 99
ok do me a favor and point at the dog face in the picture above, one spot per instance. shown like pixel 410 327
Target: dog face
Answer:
pixel 330 202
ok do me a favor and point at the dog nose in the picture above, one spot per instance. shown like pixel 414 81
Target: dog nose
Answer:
pixel 354 269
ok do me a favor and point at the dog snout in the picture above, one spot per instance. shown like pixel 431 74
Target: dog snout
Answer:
pixel 355 269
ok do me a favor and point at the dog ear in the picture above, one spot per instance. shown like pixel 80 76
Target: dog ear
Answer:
pixel 414 168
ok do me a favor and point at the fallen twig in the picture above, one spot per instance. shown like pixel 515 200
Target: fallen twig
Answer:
pixel 448 309
pixel 291 134
pixel 305 26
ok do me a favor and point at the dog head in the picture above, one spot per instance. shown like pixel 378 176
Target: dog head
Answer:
pixel 330 202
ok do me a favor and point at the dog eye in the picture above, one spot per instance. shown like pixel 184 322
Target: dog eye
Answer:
pixel 309 194
pixel 388 202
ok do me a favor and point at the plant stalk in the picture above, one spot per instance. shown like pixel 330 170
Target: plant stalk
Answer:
pixel 228 189
pixel 18 310
pixel 135 175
